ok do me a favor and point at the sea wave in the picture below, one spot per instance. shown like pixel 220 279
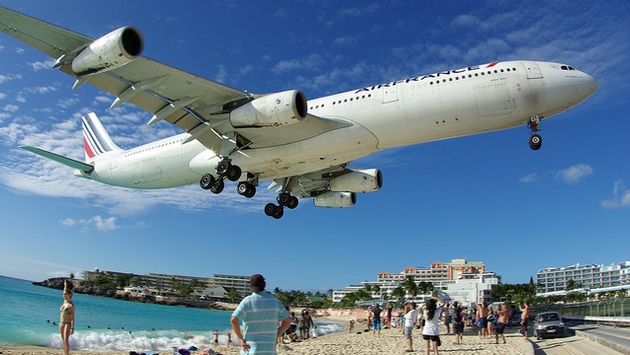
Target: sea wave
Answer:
pixel 120 340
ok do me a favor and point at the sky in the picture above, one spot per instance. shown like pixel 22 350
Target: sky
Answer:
pixel 485 197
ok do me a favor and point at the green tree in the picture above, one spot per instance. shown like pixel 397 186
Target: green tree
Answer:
pixel 399 294
pixel 409 284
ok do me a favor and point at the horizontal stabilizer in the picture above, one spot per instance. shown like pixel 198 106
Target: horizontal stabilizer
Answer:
pixel 87 168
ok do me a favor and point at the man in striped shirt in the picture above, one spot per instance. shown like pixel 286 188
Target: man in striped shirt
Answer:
pixel 260 313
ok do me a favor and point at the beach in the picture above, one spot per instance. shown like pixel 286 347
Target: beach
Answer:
pixel 391 341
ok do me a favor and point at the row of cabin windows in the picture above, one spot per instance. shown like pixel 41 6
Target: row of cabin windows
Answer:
pixel 155 146
pixel 489 72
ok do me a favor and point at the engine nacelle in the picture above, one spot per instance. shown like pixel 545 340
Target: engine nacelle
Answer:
pixel 335 199
pixel 110 51
pixel 358 180
pixel 277 109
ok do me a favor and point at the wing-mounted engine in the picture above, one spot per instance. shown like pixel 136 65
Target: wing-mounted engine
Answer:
pixel 116 48
pixel 277 109
pixel 358 180
pixel 335 199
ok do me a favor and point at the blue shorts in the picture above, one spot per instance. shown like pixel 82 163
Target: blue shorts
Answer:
pixel 376 324
pixel 482 323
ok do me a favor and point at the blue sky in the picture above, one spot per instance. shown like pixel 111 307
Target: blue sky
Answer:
pixel 486 197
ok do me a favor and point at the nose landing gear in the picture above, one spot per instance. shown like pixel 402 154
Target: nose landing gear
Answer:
pixel 535 140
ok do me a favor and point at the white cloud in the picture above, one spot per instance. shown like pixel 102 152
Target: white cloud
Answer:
pixel 37 66
pixel 11 108
pixel 533 177
pixel 101 224
pixel 574 174
pixel 9 77
pixel 621 196
pixel 41 89
pixel 68 222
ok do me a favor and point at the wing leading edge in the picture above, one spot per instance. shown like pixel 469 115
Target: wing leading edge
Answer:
pixel 199 106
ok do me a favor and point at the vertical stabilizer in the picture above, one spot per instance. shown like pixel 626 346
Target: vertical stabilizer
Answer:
pixel 96 140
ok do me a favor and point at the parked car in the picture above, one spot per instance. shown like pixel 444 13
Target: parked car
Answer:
pixel 548 324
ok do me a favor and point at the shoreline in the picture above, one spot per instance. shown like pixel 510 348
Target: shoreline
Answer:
pixel 391 341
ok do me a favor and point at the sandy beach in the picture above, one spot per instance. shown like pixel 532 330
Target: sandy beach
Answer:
pixel 391 341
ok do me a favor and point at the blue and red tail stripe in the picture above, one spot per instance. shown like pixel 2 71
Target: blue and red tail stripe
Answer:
pixel 96 140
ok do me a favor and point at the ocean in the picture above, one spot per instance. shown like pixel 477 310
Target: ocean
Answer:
pixel 27 313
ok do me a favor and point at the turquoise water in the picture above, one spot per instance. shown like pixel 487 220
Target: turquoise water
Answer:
pixel 27 313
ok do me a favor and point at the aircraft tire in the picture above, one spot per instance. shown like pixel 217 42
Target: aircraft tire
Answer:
pixel 293 202
pixel 233 173
pixel 284 199
pixel 251 191
pixel 535 141
pixel 270 209
pixel 206 182
pixel 223 167
pixel 217 187
pixel 279 213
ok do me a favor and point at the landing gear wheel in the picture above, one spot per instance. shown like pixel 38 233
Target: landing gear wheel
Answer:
pixel 246 189
pixel 292 203
pixel 279 213
pixel 233 173
pixel 206 182
pixel 535 141
pixel 251 192
pixel 217 187
pixel 284 199
pixel 270 209
pixel 223 167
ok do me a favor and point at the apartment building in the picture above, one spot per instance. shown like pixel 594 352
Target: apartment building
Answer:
pixel 591 276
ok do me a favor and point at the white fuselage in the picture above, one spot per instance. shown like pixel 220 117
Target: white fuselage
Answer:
pixel 421 109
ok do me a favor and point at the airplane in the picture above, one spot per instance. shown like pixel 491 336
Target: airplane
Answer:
pixel 304 147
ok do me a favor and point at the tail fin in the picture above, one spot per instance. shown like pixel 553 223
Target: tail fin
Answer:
pixel 96 140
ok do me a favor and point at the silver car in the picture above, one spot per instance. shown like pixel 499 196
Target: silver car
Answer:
pixel 548 324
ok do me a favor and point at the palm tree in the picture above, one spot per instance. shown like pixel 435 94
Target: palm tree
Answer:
pixel 410 286
pixel 399 294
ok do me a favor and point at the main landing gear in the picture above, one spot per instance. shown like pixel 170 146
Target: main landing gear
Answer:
pixel 284 200
pixel 535 140
pixel 225 170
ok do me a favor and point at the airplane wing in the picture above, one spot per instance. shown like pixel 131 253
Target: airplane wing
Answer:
pixel 199 106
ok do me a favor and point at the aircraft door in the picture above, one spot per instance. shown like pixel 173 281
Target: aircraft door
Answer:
pixel 533 70
pixel 390 94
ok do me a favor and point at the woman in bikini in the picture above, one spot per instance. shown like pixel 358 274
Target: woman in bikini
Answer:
pixel 66 319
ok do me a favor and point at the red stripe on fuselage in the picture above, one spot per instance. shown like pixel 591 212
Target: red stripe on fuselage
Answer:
pixel 492 64
pixel 87 148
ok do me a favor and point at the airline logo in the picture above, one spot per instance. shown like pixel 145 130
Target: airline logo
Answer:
pixel 95 140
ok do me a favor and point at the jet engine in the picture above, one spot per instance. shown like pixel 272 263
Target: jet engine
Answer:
pixel 358 180
pixel 110 51
pixel 335 199
pixel 277 109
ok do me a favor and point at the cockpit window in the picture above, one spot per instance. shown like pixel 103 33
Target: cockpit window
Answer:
pixel 566 67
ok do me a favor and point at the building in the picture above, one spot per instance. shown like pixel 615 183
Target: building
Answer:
pixel 459 280
pixel 588 276
pixel 218 284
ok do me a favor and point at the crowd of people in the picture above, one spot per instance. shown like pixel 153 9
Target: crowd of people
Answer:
pixel 489 321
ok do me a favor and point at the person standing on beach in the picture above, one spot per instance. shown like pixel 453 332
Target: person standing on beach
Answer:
pixel 376 320
pixel 411 317
pixel 66 319
pixel 458 322
pixel 482 320
pixel 260 313
pixel 501 321
pixel 524 318
pixel 431 331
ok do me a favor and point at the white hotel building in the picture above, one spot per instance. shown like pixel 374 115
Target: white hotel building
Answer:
pixel 590 276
